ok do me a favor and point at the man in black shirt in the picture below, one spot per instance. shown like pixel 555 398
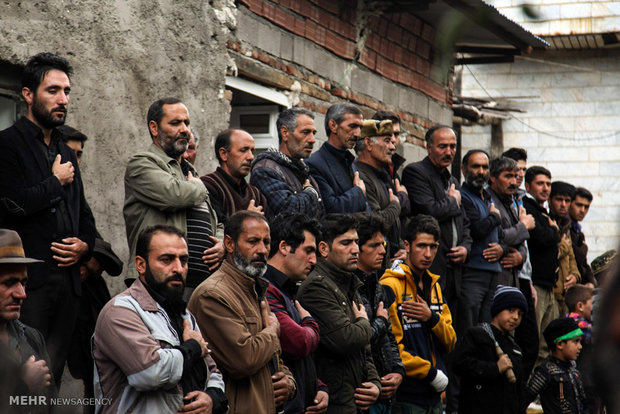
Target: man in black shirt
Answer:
pixel 42 198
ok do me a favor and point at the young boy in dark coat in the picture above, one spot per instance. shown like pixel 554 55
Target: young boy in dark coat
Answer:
pixel 485 387
pixel 557 380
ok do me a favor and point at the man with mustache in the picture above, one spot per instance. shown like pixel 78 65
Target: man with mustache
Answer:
pixel 42 198
pixel 384 195
pixel 481 272
pixel 24 363
pixel 434 191
pixel 232 312
pixel 342 189
pixel 149 354
pixel 228 190
pixel 542 249
pixel 281 173
pixel 161 187
pixel 330 293
pixel 579 207
pixel 292 257
pixel 515 226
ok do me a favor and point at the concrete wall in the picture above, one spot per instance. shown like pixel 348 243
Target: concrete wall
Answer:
pixel 126 55
pixel 572 125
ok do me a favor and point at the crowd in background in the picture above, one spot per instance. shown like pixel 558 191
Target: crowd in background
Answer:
pixel 337 279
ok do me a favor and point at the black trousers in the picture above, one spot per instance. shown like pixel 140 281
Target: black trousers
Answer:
pixel 52 309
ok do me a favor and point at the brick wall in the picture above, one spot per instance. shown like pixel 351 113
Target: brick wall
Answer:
pixel 317 44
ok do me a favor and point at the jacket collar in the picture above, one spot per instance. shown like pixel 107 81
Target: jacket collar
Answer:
pixel 443 173
pixel 348 281
pixel 161 154
pixel 281 281
pixel 246 282
pixel 138 291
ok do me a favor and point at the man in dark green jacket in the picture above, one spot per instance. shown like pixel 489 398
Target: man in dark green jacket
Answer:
pixel 330 294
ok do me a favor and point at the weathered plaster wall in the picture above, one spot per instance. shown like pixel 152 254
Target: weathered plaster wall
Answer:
pixel 126 54
pixel 571 125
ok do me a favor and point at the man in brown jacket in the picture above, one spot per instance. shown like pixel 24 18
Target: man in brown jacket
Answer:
pixel 236 320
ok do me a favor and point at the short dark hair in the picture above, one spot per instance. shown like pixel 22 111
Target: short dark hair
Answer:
pixel 71 134
pixel 517 154
pixel 575 294
pixel 234 223
pixel 156 110
pixel 562 188
pixel 472 152
pixel 337 112
pixel 143 244
pixel 583 193
pixel 501 164
pixel 38 66
pixel 368 225
pixel 422 223
pixel 336 224
pixel 290 228
pixel 288 118
pixel 222 140
pixel 429 138
pixel 535 170
pixel 383 115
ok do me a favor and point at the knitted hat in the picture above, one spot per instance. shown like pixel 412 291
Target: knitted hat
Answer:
pixel 561 329
pixel 507 297
pixel 373 128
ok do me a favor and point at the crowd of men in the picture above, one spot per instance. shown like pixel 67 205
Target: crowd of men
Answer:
pixel 296 281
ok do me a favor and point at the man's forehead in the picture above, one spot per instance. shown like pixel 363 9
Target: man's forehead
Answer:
pixel 241 139
pixel 350 117
pixel 176 110
pixel 350 234
pixel 164 242
pixel 252 225
pixel 541 178
pixel 55 77
pixel 9 270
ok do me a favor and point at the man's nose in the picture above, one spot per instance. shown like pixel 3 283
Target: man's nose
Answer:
pixel 20 291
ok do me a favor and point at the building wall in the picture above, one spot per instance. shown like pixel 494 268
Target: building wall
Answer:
pixel 125 55
pixel 563 17
pixel 571 125
pixel 317 45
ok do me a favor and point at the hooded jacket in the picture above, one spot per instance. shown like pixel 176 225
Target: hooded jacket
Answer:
pixel 422 345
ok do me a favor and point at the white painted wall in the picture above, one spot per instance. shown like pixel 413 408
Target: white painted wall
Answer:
pixel 572 124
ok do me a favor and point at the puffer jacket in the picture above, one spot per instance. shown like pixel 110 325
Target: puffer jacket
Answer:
pixel 422 345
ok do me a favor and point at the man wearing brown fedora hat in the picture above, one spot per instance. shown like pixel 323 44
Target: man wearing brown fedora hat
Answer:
pixel 22 348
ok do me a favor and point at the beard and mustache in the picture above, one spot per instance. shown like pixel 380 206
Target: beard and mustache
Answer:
pixel 45 117
pixel 171 144
pixel 172 294
pixel 248 267
pixel 476 181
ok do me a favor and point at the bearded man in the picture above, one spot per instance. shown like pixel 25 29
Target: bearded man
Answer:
pixel 161 187
pixel 42 199
pixel 481 272
pixel 149 354
pixel 232 312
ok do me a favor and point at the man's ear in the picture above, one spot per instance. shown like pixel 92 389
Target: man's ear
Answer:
pixel 284 133
pixel 324 249
pixel 580 306
pixel 333 126
pixel 284 248
pixel 153 128
pixel 223 154
pixel 140 264
pixel 28 95
pixel 527 187
pixel 229 244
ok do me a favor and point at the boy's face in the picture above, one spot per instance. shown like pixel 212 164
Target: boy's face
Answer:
pixel 508 319
pixel 586 309
pixel 568 350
